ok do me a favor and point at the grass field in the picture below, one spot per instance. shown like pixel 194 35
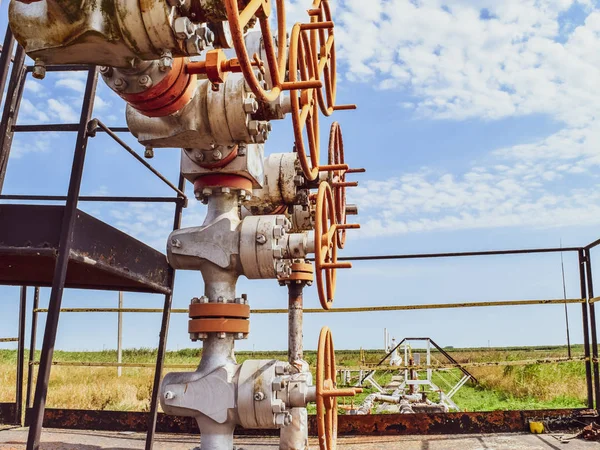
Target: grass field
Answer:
pixel 533 386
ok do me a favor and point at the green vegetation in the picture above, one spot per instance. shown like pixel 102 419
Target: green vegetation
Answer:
pixel 531 386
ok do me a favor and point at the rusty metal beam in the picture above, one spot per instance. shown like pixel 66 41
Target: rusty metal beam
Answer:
pixel 374 425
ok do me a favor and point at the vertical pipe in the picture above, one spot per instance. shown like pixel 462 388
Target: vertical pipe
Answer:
pixel 21 357
pixel 586 330
pixel 11 109
pixel 32 343
pixel 120 336
pixel 164 329
pixel 5 57
pixel 594 331
pixel 295 318
pixel 62 261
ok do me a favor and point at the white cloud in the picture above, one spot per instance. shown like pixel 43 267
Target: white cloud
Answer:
pixel 63 111
pixel 23 146
pixel 30 113
pixel 462 66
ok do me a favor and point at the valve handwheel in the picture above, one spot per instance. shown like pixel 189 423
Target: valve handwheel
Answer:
pixel 304 105
pixel 338 179
pixel 323 46
pixel 326 236
pixel 276 57
pixel 327 393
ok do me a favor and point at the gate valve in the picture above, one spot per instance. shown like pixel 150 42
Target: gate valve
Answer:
pixel 327 393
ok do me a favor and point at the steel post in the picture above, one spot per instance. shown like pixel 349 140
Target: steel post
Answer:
pixel 295 318
pixel 594 331
pixel 164 330
pixel 32 344
pixel 6 56
pixel 586 330
pixel 11 109
pixel 21 357
pixel 62 260
pixel 120 335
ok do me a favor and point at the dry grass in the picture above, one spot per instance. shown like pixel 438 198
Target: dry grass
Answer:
pixel 532 386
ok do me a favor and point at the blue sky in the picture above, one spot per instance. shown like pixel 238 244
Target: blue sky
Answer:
pixel 478 126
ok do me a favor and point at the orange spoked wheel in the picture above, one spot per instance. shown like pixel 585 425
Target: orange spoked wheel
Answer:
pixel 338 179
pixel 276 57
pixel 327 393
pixel 338 169
pixel 304 105
pixel 323 45
pixel 326 236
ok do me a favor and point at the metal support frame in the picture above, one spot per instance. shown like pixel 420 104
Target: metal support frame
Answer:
pixel 164 329
pixel 32 345
pixel 21 357
pixel 594 330
pixel 586 331
pixel 60 271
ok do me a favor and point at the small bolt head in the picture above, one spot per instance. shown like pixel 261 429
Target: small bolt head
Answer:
pixel 165 63
pixel 259 396
pixel 120 84
pixel 169 395
pixel 107 71
pixel 221 335
pixel 202 336
pixel 199 156
pixel 240 336
pixel 176 243
pixel 298 180
pixel 149 153
pixel 195 300
pixel 225 190
pixel 250 105
pixel 245 299
pixel 217 155
pixel 198 195
pixel 220 299
pixel 207 191
pixel 203 299
pixel 145 81
pixel 261 239
pixel 242 150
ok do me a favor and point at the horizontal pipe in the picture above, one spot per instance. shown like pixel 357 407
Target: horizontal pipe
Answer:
pixel 90 198
pixel 338 310
pixel 456 254
pixel 524 362
pixel 63 68
pixel 9 339
pixel 593 300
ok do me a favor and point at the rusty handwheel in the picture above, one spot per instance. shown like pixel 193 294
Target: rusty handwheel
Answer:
pixel 338 180
pixel 323 45
pixel 327 393
pixel 326 236
pixel 276 57
pixel 304 105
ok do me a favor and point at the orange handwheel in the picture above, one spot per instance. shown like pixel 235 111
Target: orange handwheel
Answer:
pixel 304 106
pixel 326 247
pixel 338 179
pixel 239 21
pixel 323 46
pixel 327 392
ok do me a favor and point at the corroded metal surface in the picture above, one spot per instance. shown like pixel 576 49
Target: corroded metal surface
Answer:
pixel 7 413
pixel 101 256
pixel 371 425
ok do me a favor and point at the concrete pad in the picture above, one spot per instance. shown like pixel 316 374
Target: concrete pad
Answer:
pixel 52 439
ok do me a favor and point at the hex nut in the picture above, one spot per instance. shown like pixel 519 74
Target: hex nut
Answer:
pixel 253 127
pixel 250 105
pixel 145 81
pixel 203 299
pixel 120 84
pixel 39 70
pixel 183 28
pixel 217 155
